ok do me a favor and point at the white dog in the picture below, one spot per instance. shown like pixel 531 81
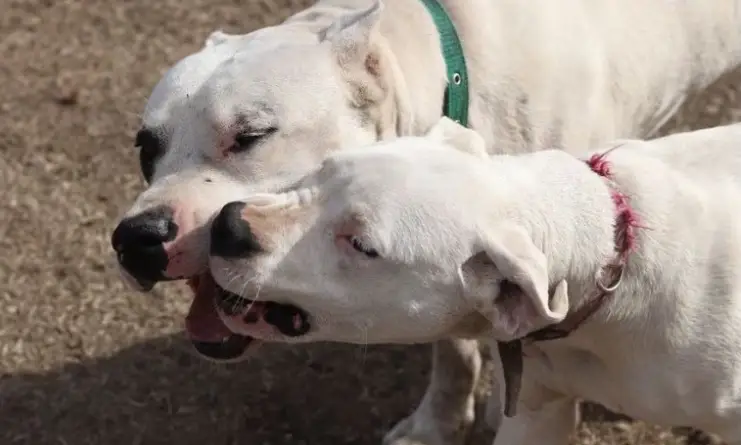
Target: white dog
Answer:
pixel 634 254
pixel 254 112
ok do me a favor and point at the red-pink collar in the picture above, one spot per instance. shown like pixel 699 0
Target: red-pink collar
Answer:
pixel 626 220
pixel 608 279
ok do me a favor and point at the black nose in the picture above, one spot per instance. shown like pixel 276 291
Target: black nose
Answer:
pixel 231 236
pixel 138 240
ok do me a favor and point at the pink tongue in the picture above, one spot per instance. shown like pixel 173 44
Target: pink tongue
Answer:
pixel 202 322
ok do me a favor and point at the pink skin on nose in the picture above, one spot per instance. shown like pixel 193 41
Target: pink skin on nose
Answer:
pixel 186 254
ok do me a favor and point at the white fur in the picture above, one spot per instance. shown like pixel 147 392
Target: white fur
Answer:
pixel 450 226
pixel 543 74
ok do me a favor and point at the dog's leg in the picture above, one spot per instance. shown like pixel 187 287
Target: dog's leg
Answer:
pixel 446 414
pixel 543 418
pixel 494 408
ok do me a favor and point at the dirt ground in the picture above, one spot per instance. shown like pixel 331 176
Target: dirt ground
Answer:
pixel 85 361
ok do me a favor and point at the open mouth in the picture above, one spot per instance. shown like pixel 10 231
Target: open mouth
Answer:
pixel 207 332
pixel 212 338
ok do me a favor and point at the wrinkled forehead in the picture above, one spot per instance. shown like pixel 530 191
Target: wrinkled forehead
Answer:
pixel 256 66
pixel 174 90
pixel 401 162
pixel 409 173
pixel 289 83
pixel 404 195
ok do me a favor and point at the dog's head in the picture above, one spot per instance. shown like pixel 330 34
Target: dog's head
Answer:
pixel 249 113
pixel 404 241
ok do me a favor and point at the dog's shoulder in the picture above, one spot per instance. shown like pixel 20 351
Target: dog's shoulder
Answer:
pixel 711 152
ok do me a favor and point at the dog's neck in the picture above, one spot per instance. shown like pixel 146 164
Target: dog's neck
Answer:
pixel 413 40
pixel 407 39
pixel 567 208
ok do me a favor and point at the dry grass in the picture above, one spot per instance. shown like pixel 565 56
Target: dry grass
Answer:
pixel 84 361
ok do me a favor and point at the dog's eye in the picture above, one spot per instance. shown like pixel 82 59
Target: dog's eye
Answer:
pixel 246 140
pixel 362 248
pixel 150 148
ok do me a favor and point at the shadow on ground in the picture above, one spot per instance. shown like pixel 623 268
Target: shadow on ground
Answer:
pixel 157 392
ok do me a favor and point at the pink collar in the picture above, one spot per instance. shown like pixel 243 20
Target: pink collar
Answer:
pixel 608 279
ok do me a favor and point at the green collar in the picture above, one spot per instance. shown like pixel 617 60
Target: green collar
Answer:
pixel 456 93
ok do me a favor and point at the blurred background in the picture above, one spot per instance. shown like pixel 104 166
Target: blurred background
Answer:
pixel 84 360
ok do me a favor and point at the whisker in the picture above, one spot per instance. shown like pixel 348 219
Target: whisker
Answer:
pixel 241 301
pixel 236 303
pixel 364 349
pixel 254 300
pixel 364 345
pixel 232 301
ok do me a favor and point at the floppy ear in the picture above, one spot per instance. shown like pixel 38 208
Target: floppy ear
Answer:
pixel 365 61
pixel 459 137
pixel 507 281
pixel 350 36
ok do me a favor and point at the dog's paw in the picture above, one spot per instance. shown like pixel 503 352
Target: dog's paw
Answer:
pixel 423 428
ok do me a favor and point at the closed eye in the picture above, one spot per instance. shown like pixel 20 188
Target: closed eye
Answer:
pixel 151 148
pixel 361 247
pixel 246 140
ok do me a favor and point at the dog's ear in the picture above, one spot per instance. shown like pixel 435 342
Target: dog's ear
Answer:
pixel 507 282
pixel 449 132
pixel 364 59
pixel 215 38
pixel 351 34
